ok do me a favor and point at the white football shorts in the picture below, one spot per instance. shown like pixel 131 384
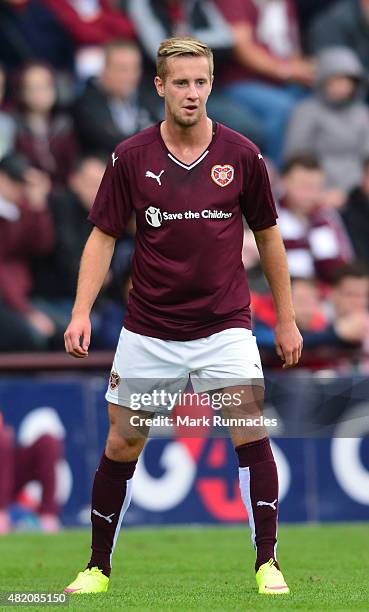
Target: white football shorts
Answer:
pixel 145 365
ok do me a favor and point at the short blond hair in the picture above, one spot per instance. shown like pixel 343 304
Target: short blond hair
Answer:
pixel 176 47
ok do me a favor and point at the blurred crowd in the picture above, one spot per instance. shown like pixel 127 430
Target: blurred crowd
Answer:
pixel 76 78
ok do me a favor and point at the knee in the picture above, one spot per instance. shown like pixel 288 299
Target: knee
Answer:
pixel 123 449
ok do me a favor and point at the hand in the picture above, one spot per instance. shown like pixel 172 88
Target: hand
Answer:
pixel 299 71
pixel 37 188
pixel 288 343
pixel 79 328
pixel 334 198
pixel 40 321
pixel 353 327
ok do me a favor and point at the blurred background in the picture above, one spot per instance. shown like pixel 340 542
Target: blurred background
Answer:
pixel 76 78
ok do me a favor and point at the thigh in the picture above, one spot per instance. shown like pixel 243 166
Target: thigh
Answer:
pixel 232 368
pixel 262 98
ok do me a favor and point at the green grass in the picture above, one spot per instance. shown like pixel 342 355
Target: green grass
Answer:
pixel 327 568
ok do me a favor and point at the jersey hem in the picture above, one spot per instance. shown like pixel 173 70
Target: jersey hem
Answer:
pixel 154 333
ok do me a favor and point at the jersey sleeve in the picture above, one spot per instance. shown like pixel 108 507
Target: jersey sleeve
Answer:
pixel 112 207
pixel 238 11
pixel 257 202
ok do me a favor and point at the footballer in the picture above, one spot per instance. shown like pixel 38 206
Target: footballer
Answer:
pixel 190 181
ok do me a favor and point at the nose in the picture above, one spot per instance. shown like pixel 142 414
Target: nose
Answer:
pixel 192 92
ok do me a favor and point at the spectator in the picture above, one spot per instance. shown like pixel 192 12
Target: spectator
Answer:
pixel 328 342
pixel 308 9
pixel 26 231
pixel 350 299
pixel 7 125
pixel 55 277
pixel 315 239
pixel 268 64
pixel 91 22
pixel 156 20
pixel 109 109
pixel 356 216
pixel 29 31
pixel 345 23
pixel 20 465
pixel 44 136
pixel 333 125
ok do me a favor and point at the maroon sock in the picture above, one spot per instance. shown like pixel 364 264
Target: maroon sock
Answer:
pixel 259 491
pixel 111 495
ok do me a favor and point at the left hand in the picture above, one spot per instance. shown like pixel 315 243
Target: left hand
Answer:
pixel 288 343
pixel 37 189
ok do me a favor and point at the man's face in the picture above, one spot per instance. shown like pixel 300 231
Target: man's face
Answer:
pixel 306 303
pixel 339 88
pixel 86 181
pixel 122 72
pixel 303 189
pixel 186 89
pixel 351 295
pixel 38 89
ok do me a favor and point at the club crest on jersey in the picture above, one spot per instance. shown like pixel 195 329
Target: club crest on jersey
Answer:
pixel 222 175
pixel 114 380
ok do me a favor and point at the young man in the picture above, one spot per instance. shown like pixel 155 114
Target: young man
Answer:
pixel 189 182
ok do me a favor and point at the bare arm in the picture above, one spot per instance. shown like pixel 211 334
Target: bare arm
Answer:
pixel 94 267
pixel 273 259
pixel 255 57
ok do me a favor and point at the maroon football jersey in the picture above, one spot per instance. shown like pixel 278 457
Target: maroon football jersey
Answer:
pixel 187 273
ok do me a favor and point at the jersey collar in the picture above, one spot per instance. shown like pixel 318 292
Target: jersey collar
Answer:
pixel 199 159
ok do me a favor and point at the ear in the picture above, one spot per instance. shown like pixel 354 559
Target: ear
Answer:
pixel 211 84
pixel 159 84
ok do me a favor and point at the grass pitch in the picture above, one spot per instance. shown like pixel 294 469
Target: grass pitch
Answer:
pixel 326 567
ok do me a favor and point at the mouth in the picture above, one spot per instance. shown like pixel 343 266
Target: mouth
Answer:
pixel 191 108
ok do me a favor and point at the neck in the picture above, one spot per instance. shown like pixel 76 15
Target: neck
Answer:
pixel 198 135
pixel 38 121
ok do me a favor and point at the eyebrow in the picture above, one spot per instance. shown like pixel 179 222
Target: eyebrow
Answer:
pixel 183 79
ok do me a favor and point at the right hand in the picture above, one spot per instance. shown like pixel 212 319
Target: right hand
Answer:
pixel 353 327
pixel 40 321
pixel 300 71
pixel 77 336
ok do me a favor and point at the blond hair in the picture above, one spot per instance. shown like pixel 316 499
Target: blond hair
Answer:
pixel 176 47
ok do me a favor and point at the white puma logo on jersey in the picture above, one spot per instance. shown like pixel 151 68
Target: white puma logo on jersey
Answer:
pixel 150 174
pixel 114 158
pixel 271 504
pixel 107 518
